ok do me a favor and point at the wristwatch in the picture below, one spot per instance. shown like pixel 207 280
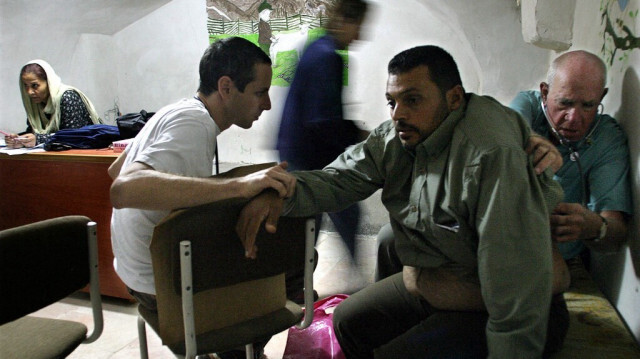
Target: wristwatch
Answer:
pixel 603 229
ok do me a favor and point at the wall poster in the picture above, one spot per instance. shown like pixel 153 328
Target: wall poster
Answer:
pixel 618 20
pixel 281 28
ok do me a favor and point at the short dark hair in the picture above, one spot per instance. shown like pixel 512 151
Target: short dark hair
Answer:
pixel 442 68
pixel 234 57
pixel 353 10
pixel 35 69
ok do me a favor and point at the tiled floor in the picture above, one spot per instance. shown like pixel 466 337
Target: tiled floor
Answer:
pixel 336 273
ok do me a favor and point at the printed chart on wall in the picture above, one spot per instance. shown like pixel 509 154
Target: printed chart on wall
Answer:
pixel 281 28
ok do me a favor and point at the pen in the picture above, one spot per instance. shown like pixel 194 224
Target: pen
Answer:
pixel 16 138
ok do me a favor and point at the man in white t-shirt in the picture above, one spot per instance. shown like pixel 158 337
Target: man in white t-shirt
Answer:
pixel 170 162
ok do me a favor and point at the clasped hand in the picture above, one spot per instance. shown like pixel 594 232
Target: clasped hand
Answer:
pixel 265 207
pixel 15 141
pixel 276 178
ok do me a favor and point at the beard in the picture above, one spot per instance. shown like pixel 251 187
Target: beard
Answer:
pixel 439 116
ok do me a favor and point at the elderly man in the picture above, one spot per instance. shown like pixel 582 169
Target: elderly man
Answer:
pixel 469 212
pixel 595 173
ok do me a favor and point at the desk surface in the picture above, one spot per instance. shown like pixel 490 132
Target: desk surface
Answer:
pixel 102 155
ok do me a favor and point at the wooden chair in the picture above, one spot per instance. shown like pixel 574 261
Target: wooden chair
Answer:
pixel 42 263
pixel 210 297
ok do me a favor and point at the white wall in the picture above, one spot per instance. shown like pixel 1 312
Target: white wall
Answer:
pixel 475 33
pixel 158 56
pixel 92 55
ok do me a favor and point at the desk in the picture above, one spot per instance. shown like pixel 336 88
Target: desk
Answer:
pixel 38 186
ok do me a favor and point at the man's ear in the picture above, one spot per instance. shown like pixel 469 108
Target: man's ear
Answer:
pixel 604 93
pixel 224 86
pixel 455 97
pixel 544 91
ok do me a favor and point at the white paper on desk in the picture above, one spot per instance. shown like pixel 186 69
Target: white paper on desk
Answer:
pixel 22 151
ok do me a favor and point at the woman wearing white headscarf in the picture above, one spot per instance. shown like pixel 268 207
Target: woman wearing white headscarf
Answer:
pixel 50 105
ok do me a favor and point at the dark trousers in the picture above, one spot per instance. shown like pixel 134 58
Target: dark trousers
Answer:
pixel 385 321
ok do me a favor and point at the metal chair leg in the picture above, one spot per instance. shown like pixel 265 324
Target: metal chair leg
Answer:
pixel 142 338
pixel 249 350
pixel 186 277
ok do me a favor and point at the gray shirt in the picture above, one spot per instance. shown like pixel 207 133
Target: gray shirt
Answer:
pixel 466 199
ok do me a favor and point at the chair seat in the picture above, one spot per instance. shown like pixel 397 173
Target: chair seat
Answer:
pixel 56 338
pixel 234 336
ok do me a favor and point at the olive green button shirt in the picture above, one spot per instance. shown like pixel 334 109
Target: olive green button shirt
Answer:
pixel 466 199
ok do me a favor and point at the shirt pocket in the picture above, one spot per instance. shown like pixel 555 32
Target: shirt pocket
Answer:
pixel 456 245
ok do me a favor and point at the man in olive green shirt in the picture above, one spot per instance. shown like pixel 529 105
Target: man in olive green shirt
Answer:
pixel 470 216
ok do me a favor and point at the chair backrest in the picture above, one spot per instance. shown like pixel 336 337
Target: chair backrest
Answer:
pixel 42 263
pixel 217 257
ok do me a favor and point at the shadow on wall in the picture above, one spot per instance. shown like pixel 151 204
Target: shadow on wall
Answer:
pixel 628 115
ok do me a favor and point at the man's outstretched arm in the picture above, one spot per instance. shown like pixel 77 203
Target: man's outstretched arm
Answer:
pixel 141 186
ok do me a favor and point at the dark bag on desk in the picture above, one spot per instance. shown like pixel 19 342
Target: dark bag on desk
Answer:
pixel 131 123
pixel 92 136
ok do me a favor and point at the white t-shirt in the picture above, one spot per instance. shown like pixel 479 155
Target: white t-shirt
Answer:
pixel 180 139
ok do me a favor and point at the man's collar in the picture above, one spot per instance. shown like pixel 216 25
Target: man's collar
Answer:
pixel 441 137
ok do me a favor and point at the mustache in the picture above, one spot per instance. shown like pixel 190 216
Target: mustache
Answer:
pixel 401 126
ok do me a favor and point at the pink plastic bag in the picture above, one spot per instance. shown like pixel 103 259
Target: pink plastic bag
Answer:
pixel 318 341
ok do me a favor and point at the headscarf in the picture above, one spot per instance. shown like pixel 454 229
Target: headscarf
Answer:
pixel 37 115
